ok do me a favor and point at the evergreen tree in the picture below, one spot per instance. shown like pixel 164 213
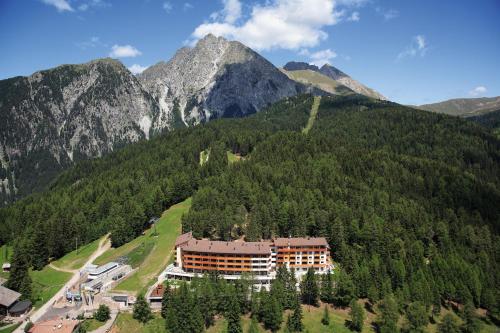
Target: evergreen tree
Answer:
pixel 417 316
pixel 166 300
pixel 326 316
pixel 327 290
pixel 448 324
pixel 471 322
pixel 19 279
pixel 309 288
pixel 142 311
pixel 389 315
pixel 344 289
pixel 272 313
pixel 357 315
pixel 294 322
pixel 233 316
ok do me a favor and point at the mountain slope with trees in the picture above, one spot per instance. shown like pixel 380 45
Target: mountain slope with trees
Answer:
pixel 407 199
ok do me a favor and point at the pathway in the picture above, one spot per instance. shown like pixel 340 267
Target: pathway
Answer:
pixel 107 326
pixel 104 245
pixel 312 116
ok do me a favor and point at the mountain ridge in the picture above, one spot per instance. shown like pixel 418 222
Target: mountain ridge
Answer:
pixel 464 107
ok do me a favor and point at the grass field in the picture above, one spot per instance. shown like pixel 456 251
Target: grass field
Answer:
pixel 204 156
pixel 312 116
pixel 150 252
pixel 92 324
pixel 9 329
pixel 231 158
pixel 5 254
pixel 76 259
pixel 46 283
pixel 126 324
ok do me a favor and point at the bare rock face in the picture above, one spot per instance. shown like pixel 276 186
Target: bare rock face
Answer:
pixel 216 78
pixel 336 75
pixel 55 117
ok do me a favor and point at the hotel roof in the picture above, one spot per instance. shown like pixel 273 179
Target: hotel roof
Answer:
pixel 203 245
pixel 301 241
pixel 183 238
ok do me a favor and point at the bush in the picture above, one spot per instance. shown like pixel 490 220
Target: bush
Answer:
pixel 102 314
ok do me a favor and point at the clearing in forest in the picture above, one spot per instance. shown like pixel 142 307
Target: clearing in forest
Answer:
pixel 312 116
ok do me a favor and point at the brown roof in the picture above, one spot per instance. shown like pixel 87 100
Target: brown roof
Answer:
pixel 301 241
pixel 158 291
pixel 183 238
pixel 57 326
pixel 203 245
pixel 8 297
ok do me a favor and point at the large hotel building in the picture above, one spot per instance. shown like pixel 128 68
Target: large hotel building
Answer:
pixel 260 259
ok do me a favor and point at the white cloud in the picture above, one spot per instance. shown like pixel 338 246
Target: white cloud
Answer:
pixel 418 46
pixel 322 57
pixel 354 17
pixel 124 51
pixel 286 24
pixel 90 43
pixel 137 69
pixel 167 6
pixel 387 14
pixel 93 4
pixel 478 91
pixel 61 5
pixel 187 6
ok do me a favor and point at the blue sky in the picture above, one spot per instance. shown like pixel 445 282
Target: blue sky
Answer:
pixel 413 52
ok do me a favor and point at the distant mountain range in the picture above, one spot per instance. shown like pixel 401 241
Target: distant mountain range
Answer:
pixel 328 78
pixel 55 117
pixel 464 107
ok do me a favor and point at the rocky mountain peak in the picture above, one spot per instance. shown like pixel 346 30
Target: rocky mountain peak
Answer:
pixel 299 65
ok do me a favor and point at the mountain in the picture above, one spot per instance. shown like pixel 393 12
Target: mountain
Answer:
pixel 58 116
pixel 331 72
pixel 216 78
pixel 464 107
pixel 318 80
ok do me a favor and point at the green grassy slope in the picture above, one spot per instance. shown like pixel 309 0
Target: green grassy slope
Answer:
pixel 318 80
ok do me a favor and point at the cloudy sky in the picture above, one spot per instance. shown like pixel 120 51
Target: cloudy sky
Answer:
pixel 413 52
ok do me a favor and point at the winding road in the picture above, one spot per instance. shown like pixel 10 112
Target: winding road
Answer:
pixel 104 245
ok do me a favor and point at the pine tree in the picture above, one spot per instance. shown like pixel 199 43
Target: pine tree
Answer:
pixel 448 324
pixel 19 279
pixel 233 316
pixel 344 289
pixel 166 300
pixel 417 316
pixel 326 317
pixel 471 324
pixel 357 316
pixel 272 314
pixel 389 315
pixel 294 323
pixel 327 288
pixel 142 311
pixel 309 288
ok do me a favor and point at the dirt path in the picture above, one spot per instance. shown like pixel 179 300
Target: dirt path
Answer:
pixel 312 116
pixel 104 245
pixel 62 269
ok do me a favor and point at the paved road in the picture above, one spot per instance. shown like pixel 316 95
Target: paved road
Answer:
pixel 104 245
pixel 107 326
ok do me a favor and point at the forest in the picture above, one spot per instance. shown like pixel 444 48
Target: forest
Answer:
pixel 407 199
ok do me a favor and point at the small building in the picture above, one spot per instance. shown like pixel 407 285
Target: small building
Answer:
pixel 156 294
pixel 8 298
pixel 6 267
pixel 55 326
pixel 101 270
pixel 20 308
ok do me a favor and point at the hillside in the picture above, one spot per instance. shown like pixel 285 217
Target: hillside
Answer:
pixel 406 198
pixel 318 80
pixel 464 107
pixel 490 120
pixel 333 74
pixel 57 117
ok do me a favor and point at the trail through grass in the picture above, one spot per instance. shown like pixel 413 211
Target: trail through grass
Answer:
pixel 313 114
pixel 76 259
pixel 157 249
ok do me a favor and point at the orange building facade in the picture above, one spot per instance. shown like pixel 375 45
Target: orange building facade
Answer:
pixel 260 259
